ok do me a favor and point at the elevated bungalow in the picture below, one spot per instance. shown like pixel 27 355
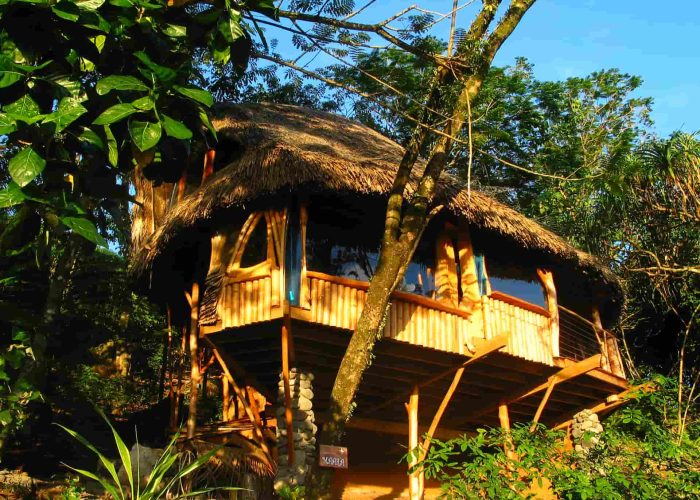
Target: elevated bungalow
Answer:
pixel 265 262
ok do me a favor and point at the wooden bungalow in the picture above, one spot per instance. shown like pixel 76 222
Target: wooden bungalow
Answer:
pixel 265 260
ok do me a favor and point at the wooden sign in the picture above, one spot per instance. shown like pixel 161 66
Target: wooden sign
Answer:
pixel 333 456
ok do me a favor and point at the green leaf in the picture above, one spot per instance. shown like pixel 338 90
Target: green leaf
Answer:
pixel 24 109
pixel 66 10
pixel 25 166
pixel 7 124
pixel 5 417
pixel 123 454
pixel 89 4
pixel 67 112
pixel 176 129
pixel 8 72
pixel 164 74
pixel 121 3
pixel 85 228
pixel 11 195
pixel 145 134
pixel 115 113
pixel 267 7
pixel 199 95
pixel 204 118
pixel 231 27
pixel 115 82
pixel 112 148
pixel 175 30
pixel 92 137
pixel 144 104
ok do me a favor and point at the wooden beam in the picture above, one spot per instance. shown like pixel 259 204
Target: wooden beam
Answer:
pixel 612 403
pixel 567 373
pixel 400 428
pixel 486 348
pixel 562 375
pixel 441 409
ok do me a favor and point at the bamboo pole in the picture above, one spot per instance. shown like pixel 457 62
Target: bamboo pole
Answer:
pixel 414 477
pixel 547 279
pixel 287 393
pixel 504 419
pixel 226 399
pixel 195 375
pixel 441 409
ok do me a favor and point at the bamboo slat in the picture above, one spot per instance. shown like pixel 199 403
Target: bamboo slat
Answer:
pixel 339 303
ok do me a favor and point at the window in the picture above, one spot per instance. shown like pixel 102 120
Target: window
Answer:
pixel 420 273
pixel 340 241
pixel 515 280
pixel 256 248
pixel 293 255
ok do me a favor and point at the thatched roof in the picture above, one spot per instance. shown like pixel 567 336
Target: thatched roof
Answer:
pixel 282 148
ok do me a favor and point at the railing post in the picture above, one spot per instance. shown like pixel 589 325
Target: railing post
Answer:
pixel 486 314
pixel 548 282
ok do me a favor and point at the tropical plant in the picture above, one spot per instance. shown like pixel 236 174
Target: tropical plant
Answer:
pixel 164 479
pixel 637 457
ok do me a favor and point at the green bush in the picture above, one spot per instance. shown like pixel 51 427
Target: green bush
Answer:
pixel 640 456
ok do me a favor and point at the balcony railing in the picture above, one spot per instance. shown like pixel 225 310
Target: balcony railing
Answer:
pixel 337 302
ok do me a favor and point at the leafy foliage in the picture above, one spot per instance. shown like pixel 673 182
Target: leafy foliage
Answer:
pixel 636 458
pixel 165 476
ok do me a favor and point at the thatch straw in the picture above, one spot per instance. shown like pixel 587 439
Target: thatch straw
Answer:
pixel 282 148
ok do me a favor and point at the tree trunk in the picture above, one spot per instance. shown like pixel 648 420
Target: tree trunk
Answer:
pixel 406 218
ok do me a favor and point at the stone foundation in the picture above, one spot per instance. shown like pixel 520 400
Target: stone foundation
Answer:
pixel 304 428
pixel 585 430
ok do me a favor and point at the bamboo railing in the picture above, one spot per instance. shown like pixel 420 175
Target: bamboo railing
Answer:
pixel 414 319
pixel 528 329
pixel 337 302
pixel 246 301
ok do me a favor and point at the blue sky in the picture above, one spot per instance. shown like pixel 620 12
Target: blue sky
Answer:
pixel 655 40
pixel 563 38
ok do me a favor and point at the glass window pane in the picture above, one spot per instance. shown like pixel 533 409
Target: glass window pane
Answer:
pixel 256 249
pixel 293 256
pixel 515 280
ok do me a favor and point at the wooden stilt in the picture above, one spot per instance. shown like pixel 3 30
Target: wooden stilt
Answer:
pixel 287 392
pixel 414 478
pixel 226 398
pixel 504 419
pixel 177 396
pixel 194 360
pixel 167 345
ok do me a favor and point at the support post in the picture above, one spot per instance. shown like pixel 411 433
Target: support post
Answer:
pixel 287 390
pixel 195 376
pixel 609 344
pixel 226 397
pixel 415 490
pixel 548 282
pixel 504 419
